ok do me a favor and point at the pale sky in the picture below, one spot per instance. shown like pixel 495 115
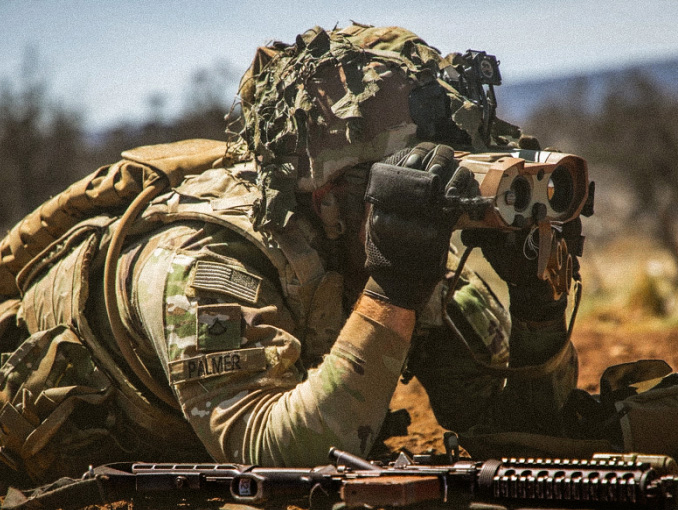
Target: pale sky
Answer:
pixel 109 56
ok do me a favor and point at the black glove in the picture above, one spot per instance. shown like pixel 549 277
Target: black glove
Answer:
pixel 531 298
pixel 407 237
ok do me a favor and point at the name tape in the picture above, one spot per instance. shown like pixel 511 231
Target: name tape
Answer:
pixel 216 364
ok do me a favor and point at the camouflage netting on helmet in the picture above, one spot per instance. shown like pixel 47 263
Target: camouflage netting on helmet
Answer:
pixel 340 98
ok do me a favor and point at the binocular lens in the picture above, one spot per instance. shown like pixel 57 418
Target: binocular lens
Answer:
pixel 522 193
pixel 560 189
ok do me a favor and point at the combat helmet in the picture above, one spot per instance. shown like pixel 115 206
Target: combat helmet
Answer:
pixel 336 99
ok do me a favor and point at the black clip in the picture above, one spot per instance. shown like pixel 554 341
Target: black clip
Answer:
pixel 451 442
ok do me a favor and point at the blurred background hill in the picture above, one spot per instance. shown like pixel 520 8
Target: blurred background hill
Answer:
pixel 520 100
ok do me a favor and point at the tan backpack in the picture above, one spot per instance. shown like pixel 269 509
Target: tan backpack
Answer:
pixel 111 189
pixel 59 406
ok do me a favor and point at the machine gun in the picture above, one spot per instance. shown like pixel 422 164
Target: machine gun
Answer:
pixel 628 481
pixel 604 481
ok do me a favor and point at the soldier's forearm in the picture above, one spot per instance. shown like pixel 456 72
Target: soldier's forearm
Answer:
pixel 343 403
pixel 535 404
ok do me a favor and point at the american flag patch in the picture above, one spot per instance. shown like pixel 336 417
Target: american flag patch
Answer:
pixel 223 279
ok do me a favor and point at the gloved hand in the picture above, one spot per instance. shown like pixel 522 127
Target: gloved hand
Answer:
pixel 531 298
pixel 407 238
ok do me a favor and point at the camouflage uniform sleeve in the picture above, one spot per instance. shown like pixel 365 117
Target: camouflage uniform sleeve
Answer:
pixel 230 354
pixel 454 382
pixel 459 392
pixel 533 405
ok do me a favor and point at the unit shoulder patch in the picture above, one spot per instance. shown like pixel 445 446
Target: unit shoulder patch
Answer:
pixel 219 327
pixel 221 278
pixel 216 364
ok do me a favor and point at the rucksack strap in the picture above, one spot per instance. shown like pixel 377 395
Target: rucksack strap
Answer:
pixel 166 166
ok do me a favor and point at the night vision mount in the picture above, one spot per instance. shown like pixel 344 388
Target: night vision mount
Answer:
pixel 474 74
